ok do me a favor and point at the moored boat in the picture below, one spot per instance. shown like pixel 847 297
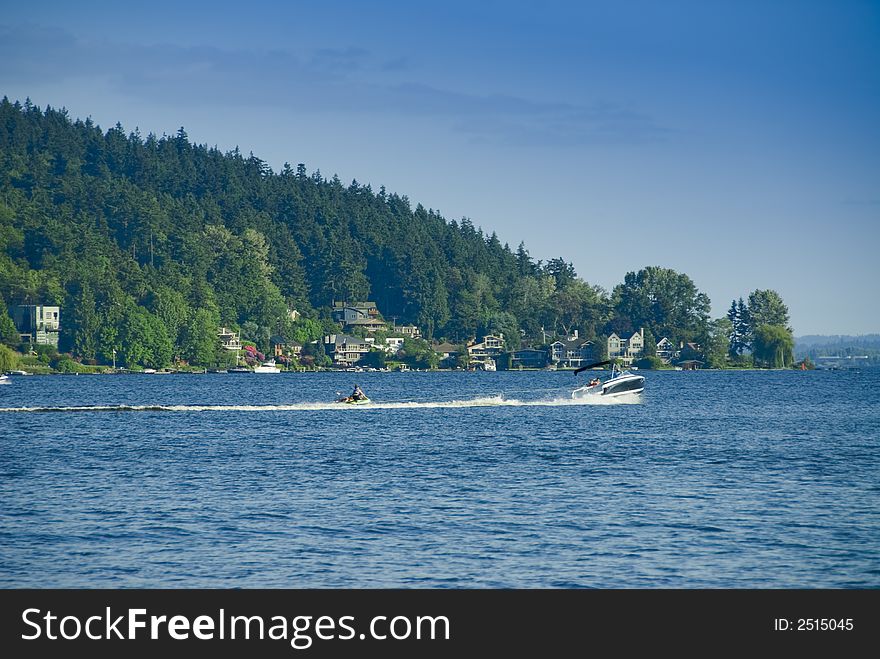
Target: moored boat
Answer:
pixel 267 367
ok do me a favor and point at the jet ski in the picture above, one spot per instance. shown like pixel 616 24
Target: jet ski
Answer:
pixel 357 397
pixel 621 383
pixel 350 400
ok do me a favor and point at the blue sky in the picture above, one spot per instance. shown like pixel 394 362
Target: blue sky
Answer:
pixel 738 142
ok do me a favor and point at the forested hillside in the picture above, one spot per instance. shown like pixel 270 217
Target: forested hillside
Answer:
pixel 150 243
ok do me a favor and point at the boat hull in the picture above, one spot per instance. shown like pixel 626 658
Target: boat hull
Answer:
pixel 626 385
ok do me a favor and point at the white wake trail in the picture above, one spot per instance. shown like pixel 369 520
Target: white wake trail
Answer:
pixel 485 401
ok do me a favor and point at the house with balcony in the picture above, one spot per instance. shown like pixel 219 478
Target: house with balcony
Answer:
pixel 37 323
pixel 369 324
pixel 489 349
pixel 358 314
pixel 665 350
pixel 345 350
pixel 392 345
pixel 409 331
pixel 229 340
pixel 344 312
pixel 628 349
pixel 572 351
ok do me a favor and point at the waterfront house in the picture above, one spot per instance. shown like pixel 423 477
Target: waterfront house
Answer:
pixel 345 313
pixel 229 340
pixel 572 351
pixel 345 350
pixel 447 352
pixel 359 314
pixel 665 350
pixel 392 344
pixel 409 331
pixel 528 358
pixel 626 350
pixel 488 349
pixel 37 323
pixel 284 348
pixel 369 324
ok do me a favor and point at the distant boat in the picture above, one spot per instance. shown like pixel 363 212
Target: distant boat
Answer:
pixel 240 369
pixel 4 379
pixel 18 373
pixel 267 367
pixel 489 365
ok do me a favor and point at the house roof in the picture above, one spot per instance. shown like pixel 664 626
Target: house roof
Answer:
pixel 571 344
pixel 445 347
pixel 365 321
pixel 340 339
pixel 354 305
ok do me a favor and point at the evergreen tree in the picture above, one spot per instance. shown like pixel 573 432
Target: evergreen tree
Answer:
pixel 8 334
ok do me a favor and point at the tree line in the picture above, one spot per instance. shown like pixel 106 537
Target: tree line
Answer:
pixel 149 244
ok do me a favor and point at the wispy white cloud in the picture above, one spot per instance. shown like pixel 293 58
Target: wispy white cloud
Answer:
pixel 347 81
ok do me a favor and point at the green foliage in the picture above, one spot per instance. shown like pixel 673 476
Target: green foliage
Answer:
pixel 650 347
pixel 664 300
pixel 105 223
pixel 143 339
pixel 650 362
pixel 374 359
pixel 199 343
pixel 766 308
pixel 742 361
pixel 8 334
pixel 417 353
pixel 716 343
pixel 773 346
pixel 739 339
pixel 64 364
pixel 314 354
pixel 305 330
pixel 9 359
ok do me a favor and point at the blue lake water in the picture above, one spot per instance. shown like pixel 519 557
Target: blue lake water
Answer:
pixel 713 480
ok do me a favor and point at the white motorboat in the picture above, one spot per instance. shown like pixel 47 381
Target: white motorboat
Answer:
pixel 4 379
pixel 621 383
pixel 267 367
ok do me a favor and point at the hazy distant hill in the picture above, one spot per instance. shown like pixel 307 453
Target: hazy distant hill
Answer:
pixel 842 345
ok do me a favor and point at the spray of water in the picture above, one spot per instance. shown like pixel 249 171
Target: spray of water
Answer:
pixel 486 401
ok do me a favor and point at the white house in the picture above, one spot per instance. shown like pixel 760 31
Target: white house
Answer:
pixel 665 350
pixel 489 348
pixel 626 350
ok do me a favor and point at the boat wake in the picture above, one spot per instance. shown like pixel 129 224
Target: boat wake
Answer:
pixel 487 401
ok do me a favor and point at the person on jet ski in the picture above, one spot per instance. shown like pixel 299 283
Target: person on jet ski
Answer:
pixel 358 394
